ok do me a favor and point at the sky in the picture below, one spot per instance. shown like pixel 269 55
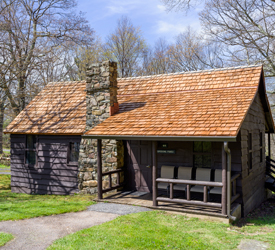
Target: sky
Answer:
pixel 151 16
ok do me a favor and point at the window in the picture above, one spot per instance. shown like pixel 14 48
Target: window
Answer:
pixel 73 151
pixel 30 151
pixel 261 146
pixel 202 154
pixel 249 141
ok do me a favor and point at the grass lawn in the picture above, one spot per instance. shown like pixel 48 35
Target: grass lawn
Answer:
pixel 4 238
pixel 4 166
pixel 160 230
pixel 22 206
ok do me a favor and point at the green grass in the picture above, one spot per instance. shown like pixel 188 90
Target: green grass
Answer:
pixel 4 238
pixel 4 166
pixel 22 206
pixel 160 230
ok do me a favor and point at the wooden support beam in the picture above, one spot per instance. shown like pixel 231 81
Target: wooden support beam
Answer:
pixel 113 188
pixel 205 194
pixel 188 192
pixel 269 150
pixel 118 178
pixel 154 173
pixel 196 203
pixel 99 169
pixel 224 176
pixel 171 190
pixel 110 180
pixel 190 182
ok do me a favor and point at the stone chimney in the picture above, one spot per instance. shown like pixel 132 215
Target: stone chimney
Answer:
pixel 101 100
pixel 101 87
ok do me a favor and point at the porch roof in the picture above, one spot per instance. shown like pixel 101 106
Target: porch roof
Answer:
pixel 206 105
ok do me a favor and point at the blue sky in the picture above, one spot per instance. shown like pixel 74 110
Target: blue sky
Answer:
pixel 151 16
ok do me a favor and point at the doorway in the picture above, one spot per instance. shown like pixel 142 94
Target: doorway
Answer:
pixel 138 174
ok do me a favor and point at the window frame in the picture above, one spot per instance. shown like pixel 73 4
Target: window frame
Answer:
pixel 202 154
pixel 69 162
pixel 261 145
pixel 249 151
pixel 35 149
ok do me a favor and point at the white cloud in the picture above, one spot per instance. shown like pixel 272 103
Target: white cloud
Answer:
pixel 165 27
pixel 113 9
pixel 162 8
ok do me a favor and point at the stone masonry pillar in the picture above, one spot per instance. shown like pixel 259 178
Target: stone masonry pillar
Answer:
pixel 101 100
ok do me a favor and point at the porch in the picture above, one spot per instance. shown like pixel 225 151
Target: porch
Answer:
pixel 173 200
pixel 144 199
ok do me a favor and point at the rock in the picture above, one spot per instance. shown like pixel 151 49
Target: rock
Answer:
pixel 247 244
pixel 92 183
pixel 111 159
pixel 87 176
pixel 96 112
pixel 100 98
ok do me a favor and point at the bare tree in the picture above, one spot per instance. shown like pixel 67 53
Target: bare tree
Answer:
pixel 192 52
pixel 2 110
pixel 156 60
pixel 180 5
pixel 31 29
pixel 125 45
pixel 186 52
pixel 84 55
pixel 246 25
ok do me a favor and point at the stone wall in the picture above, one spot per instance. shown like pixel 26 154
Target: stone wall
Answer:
pixel 112 158
pixel 101 99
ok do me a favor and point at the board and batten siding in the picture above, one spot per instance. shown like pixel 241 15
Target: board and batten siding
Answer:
pixel 253 180
pixel 52 173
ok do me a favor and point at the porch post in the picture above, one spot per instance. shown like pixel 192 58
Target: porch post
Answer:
pixel 154 173
pixel 99 170
pixel 224 205
pixel 269 154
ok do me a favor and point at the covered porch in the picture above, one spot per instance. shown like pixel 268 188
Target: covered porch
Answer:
pixel 185 201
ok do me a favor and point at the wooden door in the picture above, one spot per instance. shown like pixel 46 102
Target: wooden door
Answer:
pixel 139 166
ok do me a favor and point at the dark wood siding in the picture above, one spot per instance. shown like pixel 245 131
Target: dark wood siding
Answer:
pixel 253 179
pixel 183 157
pixel 52 174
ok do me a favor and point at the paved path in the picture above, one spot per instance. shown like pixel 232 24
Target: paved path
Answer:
pixel 5 171
pixel 39 233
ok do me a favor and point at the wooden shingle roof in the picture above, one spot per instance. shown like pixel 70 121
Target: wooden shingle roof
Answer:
pixel 60 108
pixel 205 103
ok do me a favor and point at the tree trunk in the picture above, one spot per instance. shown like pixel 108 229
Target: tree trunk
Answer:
pixel 22 97
pixel 2 109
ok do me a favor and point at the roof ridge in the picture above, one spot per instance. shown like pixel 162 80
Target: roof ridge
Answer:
pixel 66 82
pixel 192 72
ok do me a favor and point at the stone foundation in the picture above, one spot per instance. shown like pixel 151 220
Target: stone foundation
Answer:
pixel 112 158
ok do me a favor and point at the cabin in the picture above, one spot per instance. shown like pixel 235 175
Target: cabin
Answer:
pixel 192 141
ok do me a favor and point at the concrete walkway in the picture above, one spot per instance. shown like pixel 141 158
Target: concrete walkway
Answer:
pixel 39 233
pixel 5 171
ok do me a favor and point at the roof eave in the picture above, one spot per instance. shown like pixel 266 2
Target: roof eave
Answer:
pixel 163 138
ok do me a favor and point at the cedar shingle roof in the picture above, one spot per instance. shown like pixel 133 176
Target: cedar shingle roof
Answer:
pixel 206 103
pixel 60 108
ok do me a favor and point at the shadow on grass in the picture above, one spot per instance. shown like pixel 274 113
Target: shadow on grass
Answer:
pixel 16 206
pixel 264 215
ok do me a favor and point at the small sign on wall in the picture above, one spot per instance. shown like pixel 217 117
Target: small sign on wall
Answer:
pixel 166 151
